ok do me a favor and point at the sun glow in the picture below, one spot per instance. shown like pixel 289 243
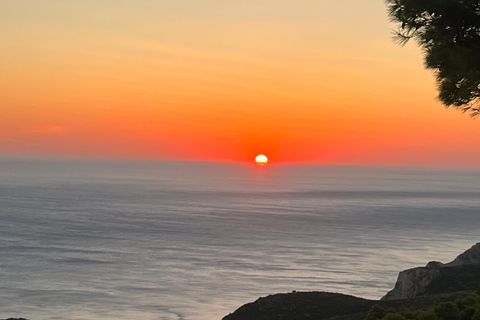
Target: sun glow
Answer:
pixel 261 159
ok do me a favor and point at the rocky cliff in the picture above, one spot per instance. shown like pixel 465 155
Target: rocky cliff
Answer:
pixel 471 256
pixel 415 282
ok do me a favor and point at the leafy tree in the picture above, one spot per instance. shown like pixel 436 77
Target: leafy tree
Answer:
pixel 393 316
pixel 467 314
pixel 447 311
pixel 448 31
pixel 426 315
pixel 476 315
pixel 466 308
pixel 469 301
pixel 376 313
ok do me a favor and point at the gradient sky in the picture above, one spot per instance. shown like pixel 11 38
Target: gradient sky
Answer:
pixel 315 81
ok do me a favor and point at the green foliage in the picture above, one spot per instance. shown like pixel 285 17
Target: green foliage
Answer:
pixel 465 308
pixel 476 315
pixel 448 31
pixel 394 316
pixel 447 311
pixel 376 313
pixel 467 313
pixel 426 315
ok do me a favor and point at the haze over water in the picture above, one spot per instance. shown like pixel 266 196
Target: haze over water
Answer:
pixel 166 240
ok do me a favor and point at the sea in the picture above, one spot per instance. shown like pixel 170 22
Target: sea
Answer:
pixel 85 239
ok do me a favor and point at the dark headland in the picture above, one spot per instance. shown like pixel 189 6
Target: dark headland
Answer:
pixel 431 286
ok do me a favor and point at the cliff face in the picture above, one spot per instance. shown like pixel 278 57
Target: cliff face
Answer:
pixel 415 282
pixel 471 256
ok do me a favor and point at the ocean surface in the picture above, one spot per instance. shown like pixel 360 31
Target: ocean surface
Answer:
pixel 195 241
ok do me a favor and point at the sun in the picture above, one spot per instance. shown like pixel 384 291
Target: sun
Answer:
pixel 261 159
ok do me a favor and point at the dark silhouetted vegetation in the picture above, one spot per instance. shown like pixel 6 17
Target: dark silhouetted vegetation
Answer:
pixel 465 308
pixel 448 31
pixel 303 305
pixel 334 306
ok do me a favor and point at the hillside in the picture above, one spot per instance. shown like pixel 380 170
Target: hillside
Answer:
pixel 423 287
pixel 455 279
pixel 302 306
pixel 327 306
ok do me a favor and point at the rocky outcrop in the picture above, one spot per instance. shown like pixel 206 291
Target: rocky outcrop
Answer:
pixel 415 282
pixel 471 256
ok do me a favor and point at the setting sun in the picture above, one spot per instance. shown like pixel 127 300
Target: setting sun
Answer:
pixel 261 159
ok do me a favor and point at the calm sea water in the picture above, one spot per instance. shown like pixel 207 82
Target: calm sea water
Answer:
pixel 146 240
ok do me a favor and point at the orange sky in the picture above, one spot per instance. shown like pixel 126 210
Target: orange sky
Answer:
pixel 300 81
